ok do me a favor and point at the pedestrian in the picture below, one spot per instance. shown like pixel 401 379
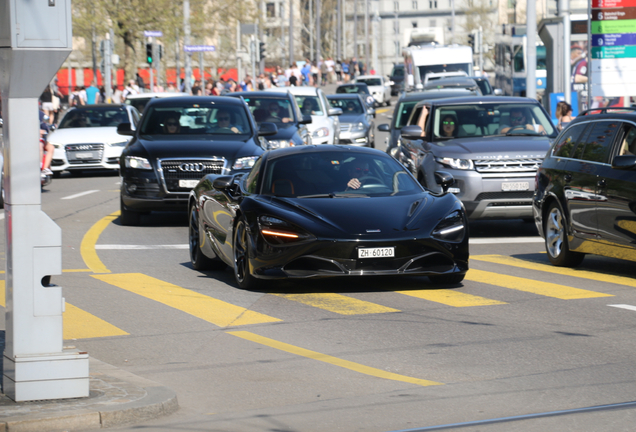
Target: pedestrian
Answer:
pixel 141 85
pixel 324 71
pixel 338 69
pixel 47 103
pixel 92 93
pixel 129 90
pixel 314 74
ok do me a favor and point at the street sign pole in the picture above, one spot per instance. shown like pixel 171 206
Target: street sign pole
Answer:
pixel 152 54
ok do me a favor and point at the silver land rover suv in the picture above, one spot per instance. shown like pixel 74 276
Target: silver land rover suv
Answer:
pixel 492 146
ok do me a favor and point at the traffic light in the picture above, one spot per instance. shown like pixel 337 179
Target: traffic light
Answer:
pixel 160 51
pixel 261 50
pixel 471 40
pixel 149 53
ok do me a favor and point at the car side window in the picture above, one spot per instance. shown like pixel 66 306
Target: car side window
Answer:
pixel 626 143
pixel 595 147
pixel 251 181
pixel 567 141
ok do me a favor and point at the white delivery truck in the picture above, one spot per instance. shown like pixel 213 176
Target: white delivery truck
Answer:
pixel 449 60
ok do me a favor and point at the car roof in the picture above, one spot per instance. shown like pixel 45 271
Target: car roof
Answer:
pixel 368 76
pixel 435 94
pixel 458 80
pixel 101 105
pixel 296 90
pixel 356 84
pixel 478 100
pixel 623 113
pixel 150 95
pixel 277 153
pixel 344 96
pixel 196 100
pixel 283 94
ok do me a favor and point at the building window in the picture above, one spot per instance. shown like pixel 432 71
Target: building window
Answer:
pixel 432 4
pixel 433 23
pixel 270 9
pixel 396 26
pixel 396 6
pixel 414 5
pixel 414 24
pixel 397 49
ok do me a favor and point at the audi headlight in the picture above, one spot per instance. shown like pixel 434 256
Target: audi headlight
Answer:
pixel 118 144
pixel 451 229
pixel 358 127
pixel 321 132
pixel 56 145
pixel 274 144
pixel 137 162
pixel 245 163
pixel 460 164
pixel 278 232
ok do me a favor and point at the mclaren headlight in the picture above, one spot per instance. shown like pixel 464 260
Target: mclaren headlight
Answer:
pixel 279 232
pixel 245 163
pixel 137 162
pixel 451 229
pixel 321 132
pixel 459 164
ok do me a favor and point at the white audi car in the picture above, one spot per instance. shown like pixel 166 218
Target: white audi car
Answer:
pixel 87 137
pixel 379 87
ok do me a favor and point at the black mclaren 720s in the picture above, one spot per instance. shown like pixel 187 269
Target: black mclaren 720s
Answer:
pixel 325 211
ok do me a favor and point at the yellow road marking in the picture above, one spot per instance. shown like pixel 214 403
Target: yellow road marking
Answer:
pixel 207 308
pixel 532 286
pixel 77 323
pixel 338 303
pixel 66 271
pixel 87 248
pixel 584 274
pixel 356 367
pixel 451 298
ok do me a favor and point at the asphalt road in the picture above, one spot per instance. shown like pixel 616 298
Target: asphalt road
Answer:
pixel 519 345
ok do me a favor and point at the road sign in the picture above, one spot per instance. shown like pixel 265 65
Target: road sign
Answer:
pixel 198 48
pixel 153 33
pixel 613 52
pixel 613 14
pixel 614 26
pixel 613 40
pixel 613 3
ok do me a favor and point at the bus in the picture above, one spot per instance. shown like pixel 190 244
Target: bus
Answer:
pixel 511 58
pixel 440 60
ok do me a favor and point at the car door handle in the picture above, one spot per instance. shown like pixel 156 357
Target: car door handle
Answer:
pixel 600 183
pixel 567 178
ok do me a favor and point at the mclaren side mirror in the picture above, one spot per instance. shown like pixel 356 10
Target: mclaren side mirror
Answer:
pixel 223 183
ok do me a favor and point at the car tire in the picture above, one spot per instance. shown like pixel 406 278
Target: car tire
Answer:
pixel 198 259
pixel 128 217
pixel 240 252
pixel 447 279
pixel 556 239
pixel 388 102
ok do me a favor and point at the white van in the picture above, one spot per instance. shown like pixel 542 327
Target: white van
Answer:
pixel 435 59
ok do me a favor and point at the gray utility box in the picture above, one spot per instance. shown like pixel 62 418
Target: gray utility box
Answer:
pixel 36 24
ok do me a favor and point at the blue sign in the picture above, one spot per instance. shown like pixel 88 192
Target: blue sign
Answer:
pixel 600 40
pixel 197 48
pixel 153 33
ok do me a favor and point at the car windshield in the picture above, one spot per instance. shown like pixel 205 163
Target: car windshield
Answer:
pixel 370 81
pixel 348 106
pixel 275 110
pixel 353 89
pixel 139 103
pixel 94 117
pixel 309 105
pixel 488 119
pixel 329 174
pixel 196 119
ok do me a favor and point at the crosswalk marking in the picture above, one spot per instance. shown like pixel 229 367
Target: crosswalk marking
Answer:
pixel 201 306
pixel 532 286
pixel 337 303
pixel 451 298
pixel 77 323
pixel 357 367
pixel 583 274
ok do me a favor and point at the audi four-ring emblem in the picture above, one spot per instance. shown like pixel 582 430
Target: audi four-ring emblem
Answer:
pixel 192 167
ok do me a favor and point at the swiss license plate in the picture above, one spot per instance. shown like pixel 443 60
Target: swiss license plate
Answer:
pixel 188 183
pixel 515 186
pixel 84 155
pixel 381 252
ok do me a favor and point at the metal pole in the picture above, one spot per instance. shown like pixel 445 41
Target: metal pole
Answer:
pixel 481 51
pixel 238 49
pixel 186 41
pixel 452 21
pixel 355 29
pixel 339 31
pixel 152 53
pixel 366 35
pixel 108 57
pixel 178 65
pixel 312 27
pixel 318 30
pixel 531 33
pixel 291 31
pixel 94 53
pixel 565 12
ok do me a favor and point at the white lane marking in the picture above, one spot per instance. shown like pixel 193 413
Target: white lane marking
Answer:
pixel 624 306
pixel 140 247
pixel 80 194
pixel 494 240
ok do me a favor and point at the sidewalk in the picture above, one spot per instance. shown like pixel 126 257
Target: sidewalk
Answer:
pixel 116 398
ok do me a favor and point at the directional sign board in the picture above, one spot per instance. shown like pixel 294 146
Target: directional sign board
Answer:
pixel 153 33
pixel 197 48
pixel 613 50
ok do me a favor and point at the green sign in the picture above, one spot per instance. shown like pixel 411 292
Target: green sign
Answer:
pixel 614 26
pixel 613 52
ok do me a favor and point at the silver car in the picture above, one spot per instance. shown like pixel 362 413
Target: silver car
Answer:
pixel 356 122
